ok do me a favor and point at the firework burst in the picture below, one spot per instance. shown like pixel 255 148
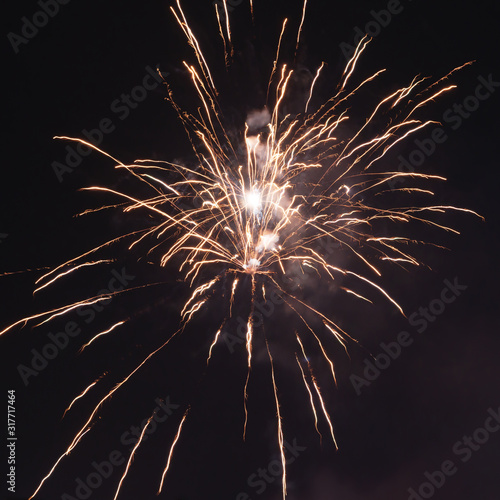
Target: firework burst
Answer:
pixel 259 203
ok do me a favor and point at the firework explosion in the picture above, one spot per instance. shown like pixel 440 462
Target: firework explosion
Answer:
pixel 255 207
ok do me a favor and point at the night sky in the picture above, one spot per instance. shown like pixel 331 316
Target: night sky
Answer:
pixel 434 407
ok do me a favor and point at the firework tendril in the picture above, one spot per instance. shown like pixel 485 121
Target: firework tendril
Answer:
pixel 262 203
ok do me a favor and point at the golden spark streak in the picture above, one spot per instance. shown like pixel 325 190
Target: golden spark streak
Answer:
pixel 68 451
pixel 311 399
pixel 221 32
pixel 194 43
pixel 228 27
pixel 349 69
pixel 318 392
pixel 80 396
pixel 233 290
pixel 249 338
pixel 131 457
pixel 172 451
pixel 110 329
pixel 69 271
pixel 378 288
pixel 280 425
pixel 212 345
pixel 313 84
pixel 325 413
pixel 84 254
pixel 199 291
pixel 58 311
pixel 276 59
pixel 90 145
pixel 301 25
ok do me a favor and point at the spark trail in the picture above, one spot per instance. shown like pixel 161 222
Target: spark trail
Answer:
pixel 298 183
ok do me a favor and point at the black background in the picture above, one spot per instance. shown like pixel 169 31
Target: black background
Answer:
pixel 407 422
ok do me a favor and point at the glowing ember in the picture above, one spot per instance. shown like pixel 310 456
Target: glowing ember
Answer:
pixel 253 201
pixel 252 265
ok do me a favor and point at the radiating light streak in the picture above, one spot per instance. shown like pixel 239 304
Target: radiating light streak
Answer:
pixel 80 396
pixel 109 330
pixel 280 425
pixel 171 452
pixel 131 457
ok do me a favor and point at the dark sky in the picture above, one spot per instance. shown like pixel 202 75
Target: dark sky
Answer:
pixel 414 418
